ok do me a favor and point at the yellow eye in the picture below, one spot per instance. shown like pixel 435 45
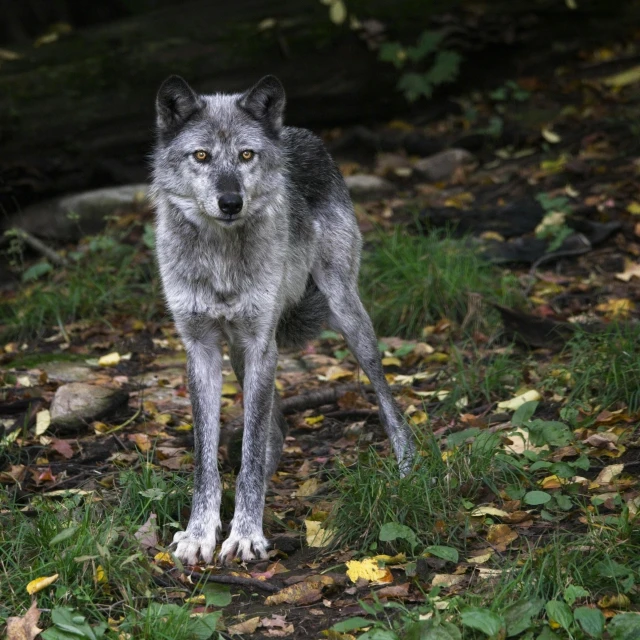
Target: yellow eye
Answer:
pixel 246 155
pixel 200 155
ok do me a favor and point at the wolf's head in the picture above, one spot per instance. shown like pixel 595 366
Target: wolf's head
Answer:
pixel 218 157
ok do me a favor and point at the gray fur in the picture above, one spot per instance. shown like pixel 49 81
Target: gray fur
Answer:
pixel 270 275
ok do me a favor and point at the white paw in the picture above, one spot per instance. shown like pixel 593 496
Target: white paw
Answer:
pixel 191 547
pixel 245 548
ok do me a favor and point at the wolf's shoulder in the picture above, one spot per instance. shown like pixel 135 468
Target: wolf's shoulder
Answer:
pixel 311 170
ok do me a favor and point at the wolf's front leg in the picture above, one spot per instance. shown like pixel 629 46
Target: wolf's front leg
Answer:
pixel 204 368
pixel 246 540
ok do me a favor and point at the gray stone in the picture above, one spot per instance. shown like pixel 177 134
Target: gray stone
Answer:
pixel 70 217
pixel 76 404
pixel 441 166
pixel 367 187
pixel 65 371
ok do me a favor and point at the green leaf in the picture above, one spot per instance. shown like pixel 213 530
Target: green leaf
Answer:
pixel 204 627
pixel 609 568
pixel 149 237
pixel 445 68
pixel 393 530
pixel 427 43
pixel 392 52
pixel 217 595
pixel 482 620
pixel 591 621
pixel 63 535
pixel 536 497
pixel 432 630
pixel 36 271
pixel 69 624
pixel 518 615
pixel 524 413
pixel 547 634
pixel 456 439
pixel 625 626
pixel 573 592
pixel 446 553
pixel 337 12
pixel 559 612
pixel 351 624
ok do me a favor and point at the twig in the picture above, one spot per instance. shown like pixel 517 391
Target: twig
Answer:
pixel 125 423
pixel 39 246
pixel 235 580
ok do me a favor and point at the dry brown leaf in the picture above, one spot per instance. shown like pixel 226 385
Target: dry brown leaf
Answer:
pixel 147 534
pixel 608 474
pixel 302 593
pixel 26 627
pixel 500 535
pixel 446 580
pixel 246 626
pixel 489 511
pixel 394 591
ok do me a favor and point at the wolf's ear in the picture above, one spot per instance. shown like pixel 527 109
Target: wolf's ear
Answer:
pixel 265 101
pixel 175 102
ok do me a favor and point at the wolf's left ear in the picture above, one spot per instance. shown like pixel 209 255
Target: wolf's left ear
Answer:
pixel 265 101
pixel 175 102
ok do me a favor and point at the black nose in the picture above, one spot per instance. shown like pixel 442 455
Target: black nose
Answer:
pixel 230 203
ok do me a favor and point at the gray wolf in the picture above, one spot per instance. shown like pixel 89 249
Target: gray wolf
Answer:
pixel 258 245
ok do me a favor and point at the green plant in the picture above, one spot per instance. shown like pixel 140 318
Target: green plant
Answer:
pixel 443 64
pixel 410 281
pixel 553 226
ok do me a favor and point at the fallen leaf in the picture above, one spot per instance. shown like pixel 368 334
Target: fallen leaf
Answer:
pixel 26 627
pixel 369 570
pixel 110 360
pixel 616 307
pixel 608 474
pixel 318 537
pixel 482 558
pixel 247 626
pixel 40 583
pixel 101 575
pixel 15 474
pixel 519 400
pixel 501 535
pixel 307 488
pixel 550 136
pixel 306 592
pixel 489 511
pixel 446 580
pixel 147 534
pixel 229 389
pixel 394 591
pixel 634 208
pixel 63 448
pixel 630 76
pixel 43 420
pixel 631 270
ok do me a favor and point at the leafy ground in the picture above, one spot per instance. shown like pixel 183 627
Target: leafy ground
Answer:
pixel 520 518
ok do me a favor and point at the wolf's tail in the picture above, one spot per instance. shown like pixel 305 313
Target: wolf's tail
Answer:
pixel 302 322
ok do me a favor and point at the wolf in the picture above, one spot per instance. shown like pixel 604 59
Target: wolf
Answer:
pixel 257 245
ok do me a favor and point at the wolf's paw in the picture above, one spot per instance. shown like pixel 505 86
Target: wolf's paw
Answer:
pixel 190 545
pixel 245 548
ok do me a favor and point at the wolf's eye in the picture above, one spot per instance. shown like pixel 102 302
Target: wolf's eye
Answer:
pixel 246 155
pixel 200 155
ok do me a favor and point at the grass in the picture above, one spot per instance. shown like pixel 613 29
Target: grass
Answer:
pixel 108 276
pixel 89 541
pixel 411 281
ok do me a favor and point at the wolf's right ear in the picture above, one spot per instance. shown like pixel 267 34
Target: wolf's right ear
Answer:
pixel 175 102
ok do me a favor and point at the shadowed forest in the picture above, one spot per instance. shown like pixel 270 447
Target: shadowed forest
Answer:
pixel 492 151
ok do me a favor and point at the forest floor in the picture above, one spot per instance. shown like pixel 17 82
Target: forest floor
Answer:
pixel 506 296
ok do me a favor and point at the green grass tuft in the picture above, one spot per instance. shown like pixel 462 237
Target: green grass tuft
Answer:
pixel 410 281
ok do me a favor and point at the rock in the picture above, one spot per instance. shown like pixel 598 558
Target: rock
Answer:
pixel 442 165
pixel 77 403
pixel 368 187
pixel 70 217
pixel 65 371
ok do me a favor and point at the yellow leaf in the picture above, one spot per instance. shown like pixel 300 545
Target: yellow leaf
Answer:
pixel 501 534
pixel 616 307
pixel 40 583
pixel 390 361
pixel 43 420
pixel 554 166
pixel 163 558
pixel 551 482
pixel 337 373
pixel 24 381
pixel 337 12
pixel 634 208
pixel 518 401
pixel 419 417
pixel 630 76
pixel 314 419
pixel 481 559
pixel 367 569
pixel 229 389
pixel 101 575
pixel 617 601
pixel 110 360
pixel 302 593
pixel 550 136
pixel 317 537
pixel 397 559
pixel 460 200
pixel 489 511
pixel 307 488
pixel 200 599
